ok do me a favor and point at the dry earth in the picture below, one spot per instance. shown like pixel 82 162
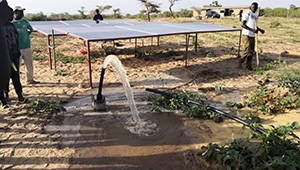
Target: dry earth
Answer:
pixel 100 141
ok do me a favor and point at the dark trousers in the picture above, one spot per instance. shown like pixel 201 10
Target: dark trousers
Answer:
pixel 15 77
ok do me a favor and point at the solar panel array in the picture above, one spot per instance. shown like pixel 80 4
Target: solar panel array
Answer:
pixel 123 29
pixel 120 29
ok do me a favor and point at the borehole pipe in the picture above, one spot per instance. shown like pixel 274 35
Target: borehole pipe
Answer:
pixel 209 108
pixel 99 95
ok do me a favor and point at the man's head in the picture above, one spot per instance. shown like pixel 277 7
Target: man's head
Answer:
pixel 6 12
pixel 19 12
pixel 254 7
pixel 97 11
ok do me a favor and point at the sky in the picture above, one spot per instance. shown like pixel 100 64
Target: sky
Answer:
pixel 132 6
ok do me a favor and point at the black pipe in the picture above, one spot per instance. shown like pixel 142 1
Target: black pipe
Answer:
pixel 211 109
pixel 99 95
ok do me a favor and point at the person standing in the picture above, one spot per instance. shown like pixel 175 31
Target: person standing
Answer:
pixel 24 30
pixel 249 21
pixel 240 14
pixel 98 17
pixel 5 66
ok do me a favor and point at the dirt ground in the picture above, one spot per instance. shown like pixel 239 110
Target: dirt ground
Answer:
pixel 84 139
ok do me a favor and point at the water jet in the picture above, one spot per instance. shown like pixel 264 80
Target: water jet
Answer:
pixel 99 103
pixel 133 124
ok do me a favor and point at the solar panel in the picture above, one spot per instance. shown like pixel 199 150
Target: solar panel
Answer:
pixel 89 31
pixel 120 29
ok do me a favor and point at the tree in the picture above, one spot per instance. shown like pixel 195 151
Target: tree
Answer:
pixel 103 8
pixel 150 7
pixel 215 4
pixel 81 12
pixel 116 12
pixel 292 6
pixel 172 2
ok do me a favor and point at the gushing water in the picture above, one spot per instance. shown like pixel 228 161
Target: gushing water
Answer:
pixel 117 65
pixel 136 125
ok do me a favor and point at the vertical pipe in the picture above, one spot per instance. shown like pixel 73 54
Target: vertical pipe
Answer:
pixel 89 62
pixel 99 95
pixel 54 52
pixel 49 51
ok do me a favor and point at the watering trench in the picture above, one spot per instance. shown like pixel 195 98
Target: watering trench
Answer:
pixel 128 135
pixel 102 140
pixel 114 139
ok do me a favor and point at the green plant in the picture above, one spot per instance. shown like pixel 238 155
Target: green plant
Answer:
pixel 234 105
pixel 179 101
pixel 209 53
pixel 65 59
pixel 269 66
pixel 274 24
pixel 61 73
pixel 39 106
pixel 141 55
pixel 278 149
pixel 273 99
pixel 219 86
pixel 39 58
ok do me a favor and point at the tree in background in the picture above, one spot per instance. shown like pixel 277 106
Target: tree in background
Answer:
pixel 37 17
pixel 172 3
pixel 103 8
pixel 150 7
pixel 116 13
pixel 81 12
pixel 292 6
pixel 215 3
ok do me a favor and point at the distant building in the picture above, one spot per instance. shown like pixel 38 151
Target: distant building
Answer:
pixel 224 11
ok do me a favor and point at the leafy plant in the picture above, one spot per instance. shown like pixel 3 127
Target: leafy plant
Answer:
pixel 234 105
pixel 39 58
pixel 275 24
pixel 39 106
pixel 179 101
pixel 269 66
pixel 65 59
pixel 278 148
pixel 61 73
pixel 141 55
pixel 219 86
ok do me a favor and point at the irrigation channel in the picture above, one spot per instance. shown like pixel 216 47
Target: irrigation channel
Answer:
pixel 128 135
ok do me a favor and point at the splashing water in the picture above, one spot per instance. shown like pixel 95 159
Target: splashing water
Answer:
pixel 117 65
pixel 137 125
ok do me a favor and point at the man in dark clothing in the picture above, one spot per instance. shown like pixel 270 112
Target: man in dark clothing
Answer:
pixel 4 56
pixel 98 17
pixel 11 35
pixel 241 15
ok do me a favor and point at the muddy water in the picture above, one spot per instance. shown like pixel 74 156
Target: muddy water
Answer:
pixel 102 140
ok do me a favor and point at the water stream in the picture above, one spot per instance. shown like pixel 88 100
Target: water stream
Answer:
pixel 136 125
pixel 117 65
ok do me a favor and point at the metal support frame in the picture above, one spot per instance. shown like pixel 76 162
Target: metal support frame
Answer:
pixel 54 52
pixel 90 64
pixel 87 42
pixel 49 51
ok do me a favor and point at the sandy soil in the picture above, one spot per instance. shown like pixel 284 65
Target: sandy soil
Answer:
pixel 85 139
